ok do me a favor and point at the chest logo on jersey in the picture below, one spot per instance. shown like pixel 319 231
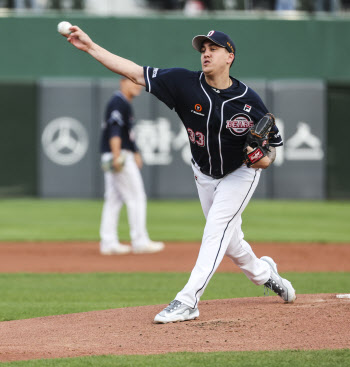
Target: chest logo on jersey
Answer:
pixel 197 110
pixel 239 124
pixel 247 108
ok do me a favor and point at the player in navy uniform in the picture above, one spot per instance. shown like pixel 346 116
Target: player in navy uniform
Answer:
pixel 122 162
pixel 217 111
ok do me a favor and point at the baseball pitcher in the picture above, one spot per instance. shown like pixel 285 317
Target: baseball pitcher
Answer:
pixel 232 138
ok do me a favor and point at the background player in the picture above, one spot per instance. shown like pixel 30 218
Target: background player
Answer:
pixel 123 182
pixel 217 111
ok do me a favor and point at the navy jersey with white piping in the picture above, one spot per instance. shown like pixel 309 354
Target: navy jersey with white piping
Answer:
pixel 216 121
pixel 118 122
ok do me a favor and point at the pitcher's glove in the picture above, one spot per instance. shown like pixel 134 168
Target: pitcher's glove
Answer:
pixel 258 140
pixel 111 164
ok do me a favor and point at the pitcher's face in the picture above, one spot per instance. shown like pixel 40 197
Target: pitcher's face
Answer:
pixel 215 58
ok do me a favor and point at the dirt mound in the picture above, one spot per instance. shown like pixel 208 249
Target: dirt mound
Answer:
pixel 316 321
pixel 264 323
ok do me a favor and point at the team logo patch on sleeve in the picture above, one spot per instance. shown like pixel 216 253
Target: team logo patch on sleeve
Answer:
pixel 117 117
pixel 239 124
pixel 155 72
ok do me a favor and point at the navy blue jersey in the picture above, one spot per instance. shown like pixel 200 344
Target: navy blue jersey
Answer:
pixel 118 122
pixel 216 121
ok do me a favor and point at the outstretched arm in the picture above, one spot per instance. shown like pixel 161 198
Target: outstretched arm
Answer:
pixel 115 63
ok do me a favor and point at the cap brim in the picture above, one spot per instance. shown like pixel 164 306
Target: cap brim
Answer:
pixel 198 41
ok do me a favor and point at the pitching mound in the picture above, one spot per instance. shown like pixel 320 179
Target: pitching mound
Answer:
pixel 318 321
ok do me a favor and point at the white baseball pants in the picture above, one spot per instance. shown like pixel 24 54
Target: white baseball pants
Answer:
pixel 223 201
pixel 126 187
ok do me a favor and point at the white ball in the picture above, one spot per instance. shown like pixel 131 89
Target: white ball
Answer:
pixel 63 28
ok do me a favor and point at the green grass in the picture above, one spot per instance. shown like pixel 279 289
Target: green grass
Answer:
pixel 34 295
pixel 60 220
pixel 35 219
pixel 287 358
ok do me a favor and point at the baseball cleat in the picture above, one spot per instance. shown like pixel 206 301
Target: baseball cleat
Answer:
pixel 277 284
pixel 151 247
pixel 176 311
pixel 114 249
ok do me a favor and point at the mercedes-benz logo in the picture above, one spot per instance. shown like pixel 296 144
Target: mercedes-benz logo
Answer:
pixel 65 141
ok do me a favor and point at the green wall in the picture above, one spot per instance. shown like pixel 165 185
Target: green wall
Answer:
pixel 338 166
pixel 18 138
pixel 266 47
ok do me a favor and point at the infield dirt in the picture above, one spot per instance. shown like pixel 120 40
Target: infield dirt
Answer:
pixel 74 257
pixel 318 321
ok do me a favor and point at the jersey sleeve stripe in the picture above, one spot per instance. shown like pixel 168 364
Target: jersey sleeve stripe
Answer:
pixel 148 82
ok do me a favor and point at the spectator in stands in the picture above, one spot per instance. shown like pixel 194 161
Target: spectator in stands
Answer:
pixel 282 5
pixel 20 4
pixel 60 4
pixel 327 5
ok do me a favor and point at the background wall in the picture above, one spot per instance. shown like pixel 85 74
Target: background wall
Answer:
pixel 71 111
pixel 338 166
pixel 18 138
pixel 269 47
pixel 270 50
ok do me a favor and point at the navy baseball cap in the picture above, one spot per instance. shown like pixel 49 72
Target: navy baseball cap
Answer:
pixel 220 38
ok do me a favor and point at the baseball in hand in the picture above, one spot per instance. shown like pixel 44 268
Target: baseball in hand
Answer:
pixel 63 28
